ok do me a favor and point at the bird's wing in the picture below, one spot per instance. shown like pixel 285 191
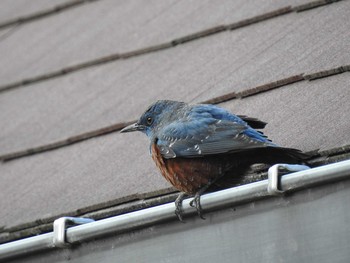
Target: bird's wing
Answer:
pixel 203 133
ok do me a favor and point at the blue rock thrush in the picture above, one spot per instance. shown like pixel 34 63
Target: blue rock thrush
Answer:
pixel 203 147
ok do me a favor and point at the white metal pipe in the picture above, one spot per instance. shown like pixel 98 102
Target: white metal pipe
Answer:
pixel 26 246
pixel 211 201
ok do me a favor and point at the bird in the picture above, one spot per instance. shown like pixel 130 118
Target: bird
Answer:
pixel 202 148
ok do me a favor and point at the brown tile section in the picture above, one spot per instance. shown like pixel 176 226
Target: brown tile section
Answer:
pixel 91 63
pixel 65 142
pixel 146 50
pixel 259 18
pixel 204 33
pixel 223 98
pixel 270 86
pixel 327 73
pixel 313 4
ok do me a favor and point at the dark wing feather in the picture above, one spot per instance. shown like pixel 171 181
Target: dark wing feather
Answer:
pixel 253 122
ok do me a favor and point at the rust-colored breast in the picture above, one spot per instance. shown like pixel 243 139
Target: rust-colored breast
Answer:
pixel 188 174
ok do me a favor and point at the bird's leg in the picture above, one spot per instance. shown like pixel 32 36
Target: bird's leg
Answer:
pixel 178 205
pixel 196 202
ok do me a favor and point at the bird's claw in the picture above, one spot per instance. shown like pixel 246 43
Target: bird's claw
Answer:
pixel 178 206
pixel 178 213
pixel 196 203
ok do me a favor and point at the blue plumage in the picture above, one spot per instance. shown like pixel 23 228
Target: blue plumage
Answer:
pixel 184 130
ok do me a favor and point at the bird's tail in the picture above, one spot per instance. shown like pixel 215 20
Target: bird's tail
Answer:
pixel 273 155
pixel 269 155
pixel 238 170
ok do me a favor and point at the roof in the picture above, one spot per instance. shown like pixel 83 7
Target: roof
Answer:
pixel 98 63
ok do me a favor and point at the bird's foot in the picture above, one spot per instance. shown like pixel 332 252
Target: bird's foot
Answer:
pixel 178 206
pixel 196 202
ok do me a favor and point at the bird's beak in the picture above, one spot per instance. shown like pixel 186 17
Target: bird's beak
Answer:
pixel 132 127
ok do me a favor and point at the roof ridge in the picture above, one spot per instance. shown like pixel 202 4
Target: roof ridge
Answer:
pixel 169 44
pixel 216 100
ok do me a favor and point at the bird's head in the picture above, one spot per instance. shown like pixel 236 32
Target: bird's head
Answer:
pixel 155 117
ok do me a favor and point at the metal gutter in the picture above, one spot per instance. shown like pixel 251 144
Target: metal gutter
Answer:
pixel 211 201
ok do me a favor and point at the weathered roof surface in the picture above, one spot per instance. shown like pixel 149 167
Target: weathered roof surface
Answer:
pixel 211 66
pixel 74 36
pixel 308 114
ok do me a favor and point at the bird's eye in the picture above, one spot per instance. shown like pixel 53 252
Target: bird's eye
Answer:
pixel 149 120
